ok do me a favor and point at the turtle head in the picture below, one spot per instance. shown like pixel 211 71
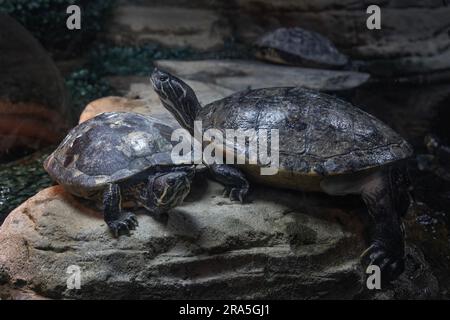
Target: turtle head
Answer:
pixel 168 190
pixel 177 97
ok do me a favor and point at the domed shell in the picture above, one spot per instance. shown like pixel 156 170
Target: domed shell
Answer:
pixel 110 147
pixel 319 134
pixel 300 47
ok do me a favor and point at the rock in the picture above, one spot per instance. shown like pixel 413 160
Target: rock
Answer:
pixel 436 67
pixel 206 92
pixel 428 230
pixel 141 98
pixel 416 282
pixel 239 75
pixel 33 109
pixel 17 294
pixel 413 35
pixel 114 104
pixel 275 247
pixel 171 26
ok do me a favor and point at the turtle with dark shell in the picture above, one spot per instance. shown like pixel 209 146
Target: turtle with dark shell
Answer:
pixel 121 160
pixel 325 144
pixel 297 46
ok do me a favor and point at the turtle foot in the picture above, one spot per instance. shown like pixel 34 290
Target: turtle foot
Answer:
pixel 236 194
pixel 127 221
pixel 236 185
pixel 390 260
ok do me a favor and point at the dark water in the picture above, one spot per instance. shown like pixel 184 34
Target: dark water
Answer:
pixel 415 111
pixel 412 110
pixel 22 179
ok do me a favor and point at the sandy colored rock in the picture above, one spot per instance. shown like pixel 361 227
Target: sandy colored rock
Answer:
pixel 171 26
pixel 277 246
pixel 113 104
pixel 238 75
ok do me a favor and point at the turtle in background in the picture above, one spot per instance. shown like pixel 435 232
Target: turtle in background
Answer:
pixel 121 160
pixel 325 144
pixel 300 47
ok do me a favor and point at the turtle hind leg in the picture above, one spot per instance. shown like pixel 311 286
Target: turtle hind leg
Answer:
pixel 380 192
pixel 387 245
pixel 236 185
pixel 116 219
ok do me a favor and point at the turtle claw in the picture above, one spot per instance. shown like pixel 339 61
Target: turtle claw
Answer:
pixel 391 262
pixel 134 220
pixel 127 221
pixel 226 192
pixel 236 194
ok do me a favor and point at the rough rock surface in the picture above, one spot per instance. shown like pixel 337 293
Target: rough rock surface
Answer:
pixel 413 36
pixel 33 110
pixel 279 246
pixel 239 75
pixel 171 26
pixel 206 91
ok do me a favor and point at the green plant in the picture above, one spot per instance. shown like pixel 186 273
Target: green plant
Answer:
pixel 86 85
pixel 109 59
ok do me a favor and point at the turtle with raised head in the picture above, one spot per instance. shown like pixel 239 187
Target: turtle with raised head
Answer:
pixel 325 144
pixel 121 160
pixel 300 47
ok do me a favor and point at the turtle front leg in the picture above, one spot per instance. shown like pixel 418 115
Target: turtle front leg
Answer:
pixel 387 246
pixel 236 185
pixel 117 220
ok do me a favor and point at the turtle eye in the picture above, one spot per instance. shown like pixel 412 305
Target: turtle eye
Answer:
pixel 163 78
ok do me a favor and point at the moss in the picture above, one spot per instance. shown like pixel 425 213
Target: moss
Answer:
pixel 102 60
pixel 46 20
pixel 85 86
pixel 109 59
